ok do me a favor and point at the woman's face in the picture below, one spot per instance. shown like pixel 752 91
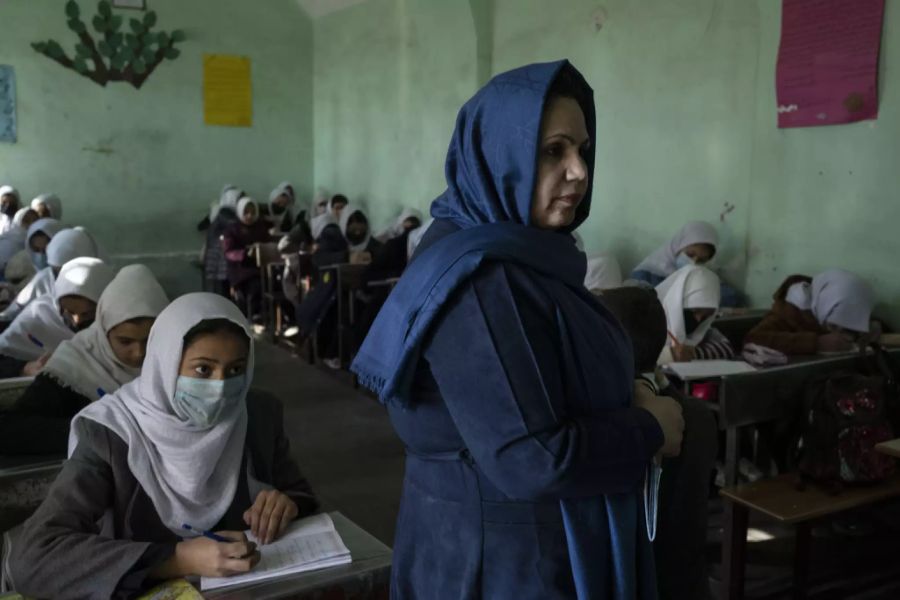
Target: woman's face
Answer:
pixel 699 253
pixel 128 341
pixel 218 355
pixel 411 223
pixel 77 311
pixel 8 204
pixel 249 215
pixel 337 207
pixel 562 173
pixel 39 242
pixel 357 228
pixel 43 210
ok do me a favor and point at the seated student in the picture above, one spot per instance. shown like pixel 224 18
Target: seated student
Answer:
pixel 13 240
pixel 95 362
pixel 9 205
pixel 48 206
pixel 820 314
pixel 45 323
pixel 336 205
pixel 37 240
pixel 603 273
pixel 19 271
pixel 355 228
pixel 695 243
pixel 409 219
pixel 279 212
pixel 243 275
pixel 682 517
pixel 690 297
pixel 128 462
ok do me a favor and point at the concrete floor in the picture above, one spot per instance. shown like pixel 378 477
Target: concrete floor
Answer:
pixel 341 438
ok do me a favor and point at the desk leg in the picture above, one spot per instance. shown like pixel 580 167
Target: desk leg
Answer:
pixel 801 559
pixel 734 550
pixel 732 435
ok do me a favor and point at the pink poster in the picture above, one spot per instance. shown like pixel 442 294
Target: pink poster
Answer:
pixel 828 62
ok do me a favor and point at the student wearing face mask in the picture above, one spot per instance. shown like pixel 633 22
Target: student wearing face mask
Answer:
pixel 279 212
pixel 65 245
pixel 53 318
pixel 13 241
pixel 825 313
pixel 9 205
pixel 355 227
pixel 243 274
pixel 95 362
pixel 48 206
pixel 695 244
pixel 128 461
pixel 690 297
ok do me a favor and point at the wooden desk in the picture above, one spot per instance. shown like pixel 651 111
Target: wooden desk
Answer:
pixel 348 279
pixel 890 447
pixel 367 577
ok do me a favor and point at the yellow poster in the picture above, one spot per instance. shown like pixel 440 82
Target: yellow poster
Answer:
pixel 227 90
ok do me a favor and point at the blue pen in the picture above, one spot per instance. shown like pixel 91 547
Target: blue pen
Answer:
pixel 101 392
pixel 206 534
pixel 36 341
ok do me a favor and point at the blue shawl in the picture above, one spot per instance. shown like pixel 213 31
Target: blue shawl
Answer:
pixel 491 171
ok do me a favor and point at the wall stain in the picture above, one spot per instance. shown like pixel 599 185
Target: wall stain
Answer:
pixel 98 149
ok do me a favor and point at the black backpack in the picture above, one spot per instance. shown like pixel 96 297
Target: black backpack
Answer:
pixel 845 414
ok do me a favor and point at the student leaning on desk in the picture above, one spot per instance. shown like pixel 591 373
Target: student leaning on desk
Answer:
pixel 185 443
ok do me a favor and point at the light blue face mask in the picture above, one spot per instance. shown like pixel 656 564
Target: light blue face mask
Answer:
pixel 40 260
pixel 683 260
pixel 202 402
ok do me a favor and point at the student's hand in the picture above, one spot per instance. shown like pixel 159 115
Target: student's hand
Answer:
pixel 32 368
pixel 270 514
pixel 360 258
pixel 209 558
pixel 668 414
pixel 833 342
pixel 683 353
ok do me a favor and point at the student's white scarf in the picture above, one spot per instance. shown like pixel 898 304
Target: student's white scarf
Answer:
pixel 52 202
pixel 415 236
pixel 662 261
pixel 318 224
pixel 40 328
pixel 396 229
pixel 86 363
pixel 603 273
pixel 839 297
pixel 319 203
pixel 70 244
pixel 688 288
pixel 348 212
pixel 19 270
pixel 6 223
pixel 190 474
pixel 242 205
pixel 285 188
pixel 13 240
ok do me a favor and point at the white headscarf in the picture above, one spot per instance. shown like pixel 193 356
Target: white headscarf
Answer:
pixel 19 217
pixel 20 269
pixel 13 240
pixel 228 199
pixel 687 288
pixel 242 204
pixel 349 211
pixel 49 227
pixel 86 363
pixel 190 474
pixel 69 244
pixel 318 224
pixel 320 199
pixel 40 328
pixel 283 189
pixel 415 236
pixel 838 297
pixel 329 208
pixel 662 261
pixel 603 273
pixel 52 202
pixel 7 223
pixel 396 229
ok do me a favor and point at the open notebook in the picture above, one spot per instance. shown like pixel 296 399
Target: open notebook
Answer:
pixel 309 544
pixel 708 369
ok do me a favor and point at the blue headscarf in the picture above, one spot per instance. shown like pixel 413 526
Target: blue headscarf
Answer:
pixel 491 170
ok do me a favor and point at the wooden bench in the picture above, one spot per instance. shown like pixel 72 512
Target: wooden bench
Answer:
pixel 781 499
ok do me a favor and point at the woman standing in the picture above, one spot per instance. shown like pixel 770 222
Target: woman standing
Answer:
pixel 509 383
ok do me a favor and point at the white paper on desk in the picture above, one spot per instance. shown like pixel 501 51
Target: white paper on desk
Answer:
pixel 701 369
pixel 309 544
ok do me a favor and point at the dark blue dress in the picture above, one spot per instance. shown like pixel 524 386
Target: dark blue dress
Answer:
pixel 481 518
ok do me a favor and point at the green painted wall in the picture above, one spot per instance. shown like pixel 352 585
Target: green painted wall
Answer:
pixel 686 124
pixel 139 167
